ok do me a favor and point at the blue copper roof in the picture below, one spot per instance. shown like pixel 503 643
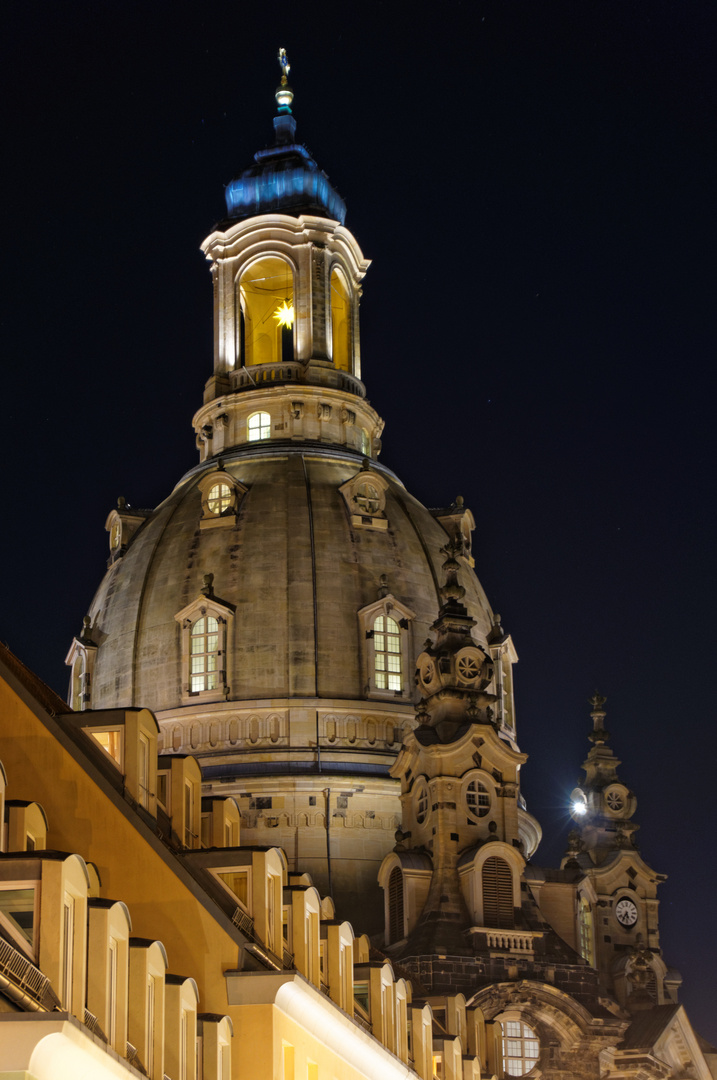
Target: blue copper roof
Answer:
pixel 285 178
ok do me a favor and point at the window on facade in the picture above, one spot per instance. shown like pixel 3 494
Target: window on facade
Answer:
pixel 204 674
pixel 266 298
pixel 112 992
pixel 395 905
pixel 497 884
pixel 219 499
pixel 421 803
pixel 17 907
pixel 477 799
pixel 143 778
pixel 585 931
pixel 111 743
pixel 68 948
pixel 387 653
pixel 365 443
pixel 340 322
pixel 188 815
pixel 520 1047
pixel 258 426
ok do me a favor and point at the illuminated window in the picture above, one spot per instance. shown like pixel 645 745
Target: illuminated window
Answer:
pixel 340 322
pixel 477 799
pixel 111 743
pixel 395 906
pixel 365 442
pixel 258 426
pixel 266 299
pixel 219 499
pixel 387 653
pixel 204 673
pixel 520 1047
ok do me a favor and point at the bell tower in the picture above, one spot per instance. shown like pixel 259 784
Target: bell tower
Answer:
pixel 617 903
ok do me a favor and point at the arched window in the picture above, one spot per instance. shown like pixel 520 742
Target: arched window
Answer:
pixel 340 322
pixel 387 653
pixel 266 299
pixel 258 426
pixel 395 906
pixel 477 799
pixel 497 887
pixel 204 665
pixel 520 1047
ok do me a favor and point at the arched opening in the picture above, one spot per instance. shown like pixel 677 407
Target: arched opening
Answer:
pixel 521 1048
pixel 340 322
pixel 266 322
pixel 395 905
pixel 497 887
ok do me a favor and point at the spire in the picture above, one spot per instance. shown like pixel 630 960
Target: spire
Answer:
pixel 285 177
pixel 602 805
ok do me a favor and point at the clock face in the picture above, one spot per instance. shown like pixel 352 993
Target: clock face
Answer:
pixel 626 912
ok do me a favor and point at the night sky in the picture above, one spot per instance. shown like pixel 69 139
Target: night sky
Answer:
pixel 534 182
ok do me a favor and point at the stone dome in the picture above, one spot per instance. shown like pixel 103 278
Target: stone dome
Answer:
pixel 291 566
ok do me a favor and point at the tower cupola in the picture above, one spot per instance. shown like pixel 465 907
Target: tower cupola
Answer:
pixel 287 281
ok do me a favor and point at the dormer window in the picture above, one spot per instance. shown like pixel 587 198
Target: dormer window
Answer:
pixel 365 498
pixel 385 629
pixel 387 654
pixel 221 497
pixel 205 654
pixel 258 426
pixel 206 634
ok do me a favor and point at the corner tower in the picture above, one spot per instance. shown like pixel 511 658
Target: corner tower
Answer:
pixel 271 609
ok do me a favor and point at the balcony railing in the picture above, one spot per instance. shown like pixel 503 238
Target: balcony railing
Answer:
pixel 26 977
pixel 513 941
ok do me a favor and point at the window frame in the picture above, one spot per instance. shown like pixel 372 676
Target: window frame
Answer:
pixel 264 424
pixel 202 607
pixel 403 617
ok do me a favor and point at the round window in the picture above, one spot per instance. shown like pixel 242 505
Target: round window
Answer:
pixel 219 499
pixel 367 498
pixel 477 799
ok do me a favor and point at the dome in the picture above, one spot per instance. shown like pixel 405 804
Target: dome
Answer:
pixel 290 566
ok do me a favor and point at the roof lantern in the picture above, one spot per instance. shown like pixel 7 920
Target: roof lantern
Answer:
pixel 285 177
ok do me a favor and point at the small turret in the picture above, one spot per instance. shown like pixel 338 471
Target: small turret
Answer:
pixel 602 806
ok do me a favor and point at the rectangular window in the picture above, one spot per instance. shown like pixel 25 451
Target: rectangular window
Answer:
pixel 111 743
pixel 143 778
pixel 17 908
pixel 68 949
pixel 288 1061
pixel 112 993
pixel 188 815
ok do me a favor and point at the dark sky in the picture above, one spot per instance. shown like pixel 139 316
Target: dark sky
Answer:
pixel 534 182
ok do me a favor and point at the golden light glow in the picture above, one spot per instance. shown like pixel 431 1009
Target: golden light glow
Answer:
pixel 284 314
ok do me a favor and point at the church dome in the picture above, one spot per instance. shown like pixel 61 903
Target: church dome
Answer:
pixel 293 565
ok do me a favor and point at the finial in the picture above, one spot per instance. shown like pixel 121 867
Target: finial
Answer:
pixel 207 588
pixel 284 94
pixel 598 734
pixel 383 589
pixel 121 503
pixel 459 502
pixel 86 632
pixel 452 590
